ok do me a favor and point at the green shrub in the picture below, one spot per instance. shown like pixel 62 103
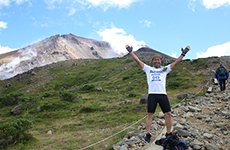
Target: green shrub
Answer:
pixel 25 99
pixel 30 99
pixel 176 83
pixel 127 77
pixel 186 60
pixel 52 105
pixel 90 108
pixel 47 105
pixel 10 99
pixel 67 96
pixel 216 62
pixel 178 78
pixel 131 87
pixel 46 94
pixel 132 94
pixel 201 74
pixel 173 73
pixel 202 62
pixel 11 133
pixel 87 87
pixel 140 71
pixel 128 61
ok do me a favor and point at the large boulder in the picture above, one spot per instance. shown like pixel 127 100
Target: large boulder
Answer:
pixel 144 99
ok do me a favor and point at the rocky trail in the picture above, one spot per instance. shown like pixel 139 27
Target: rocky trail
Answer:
pixel 203 122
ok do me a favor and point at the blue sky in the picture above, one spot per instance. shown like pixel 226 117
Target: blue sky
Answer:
pixel 164 25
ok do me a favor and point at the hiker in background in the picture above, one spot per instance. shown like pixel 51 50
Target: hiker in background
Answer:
pixel 156 79
pixel 222 75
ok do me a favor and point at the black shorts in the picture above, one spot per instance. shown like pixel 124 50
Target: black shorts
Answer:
pixel 163 101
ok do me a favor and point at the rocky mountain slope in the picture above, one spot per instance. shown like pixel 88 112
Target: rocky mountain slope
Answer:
pixel 50 50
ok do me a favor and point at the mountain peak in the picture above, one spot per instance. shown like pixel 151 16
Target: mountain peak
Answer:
pixel 50 50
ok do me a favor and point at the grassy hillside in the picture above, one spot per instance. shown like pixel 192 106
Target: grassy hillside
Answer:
pixel 94 114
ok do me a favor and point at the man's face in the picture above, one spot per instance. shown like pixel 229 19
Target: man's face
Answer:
pixel 156 62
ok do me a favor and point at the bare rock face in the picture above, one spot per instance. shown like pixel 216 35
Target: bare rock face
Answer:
pixel 50 50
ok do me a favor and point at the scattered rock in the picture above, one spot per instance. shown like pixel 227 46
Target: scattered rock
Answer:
pixel 207 136
pixel 183 133
pixel 15 110
pixel 210 147
pixel 193 109
pixel 184 108
pixel 38 108
pixel 161 115
pixel 185 95
pixel 178 127
pixel 100 89
pixel 196 142
pixel 49 132
pixel 128 102
pixel 8 85
pixel 123 148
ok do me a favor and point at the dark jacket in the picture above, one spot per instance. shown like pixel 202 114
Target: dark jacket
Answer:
pixel 221 77
pixel 172 142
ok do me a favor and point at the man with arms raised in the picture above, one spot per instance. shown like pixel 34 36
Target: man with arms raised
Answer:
pixel 156 79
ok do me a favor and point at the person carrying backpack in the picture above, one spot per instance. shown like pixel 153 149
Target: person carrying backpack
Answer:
pixel 222 75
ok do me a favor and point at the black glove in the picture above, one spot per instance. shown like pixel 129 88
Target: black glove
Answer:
pixel 129 49
pixel 184 51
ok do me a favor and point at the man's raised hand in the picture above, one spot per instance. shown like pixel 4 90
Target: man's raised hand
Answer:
pixel 184 51
pixel 129 48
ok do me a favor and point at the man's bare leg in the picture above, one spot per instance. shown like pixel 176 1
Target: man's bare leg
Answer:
pixel 168 122
pixel 149 120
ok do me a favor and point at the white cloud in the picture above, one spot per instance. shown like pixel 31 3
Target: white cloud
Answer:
pixel 105 4
pixel 146 23
pixel 72 11
pixel 212 4
pixel 119 3
pixel 209 4
pixel 191 5
pixel 118 38
pixel 44 25
pixel 5 49
pixel 20 1
pixel 174 55
pixel 7 2
pixel 3 25
pixel 4 3
pixel 218 50
pixel 51 3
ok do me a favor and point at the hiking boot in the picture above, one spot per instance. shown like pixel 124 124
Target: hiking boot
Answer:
pixel 167 134
pixel 148 137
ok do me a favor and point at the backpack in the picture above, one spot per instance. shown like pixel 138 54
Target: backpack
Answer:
pixel 180 145
pixel 222 72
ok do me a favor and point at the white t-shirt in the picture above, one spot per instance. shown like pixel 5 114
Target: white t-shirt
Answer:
pixel 156 78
